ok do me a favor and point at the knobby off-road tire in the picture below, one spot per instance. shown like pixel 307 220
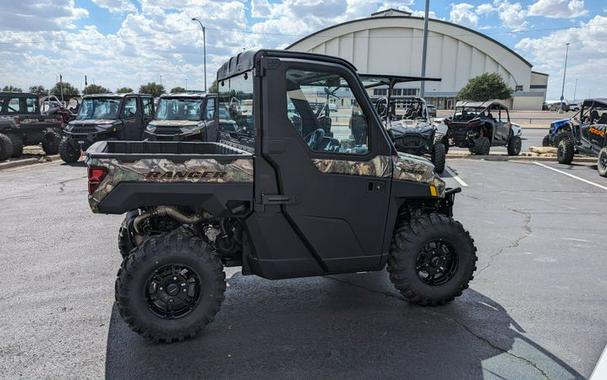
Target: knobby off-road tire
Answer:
pixel 69 154
pixel 602 162
pixel 431 243
pixel 439 155
pixel 17 143
pixel 565 151
pixel 50 144
pixel 482 145
pixel 144 292
pixel 6 147
pixel 514 146
pixel 562 135
pixel 125 243
pixel 546 140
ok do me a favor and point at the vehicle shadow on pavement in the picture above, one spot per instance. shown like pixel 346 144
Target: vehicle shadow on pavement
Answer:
pixel 345 326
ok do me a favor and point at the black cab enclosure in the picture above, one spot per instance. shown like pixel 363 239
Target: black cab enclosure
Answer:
pixel 286 194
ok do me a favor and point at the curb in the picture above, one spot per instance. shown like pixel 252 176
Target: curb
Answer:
pixel 28 161
pixel 517 158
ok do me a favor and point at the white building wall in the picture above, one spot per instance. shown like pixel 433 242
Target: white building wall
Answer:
pixel 392 45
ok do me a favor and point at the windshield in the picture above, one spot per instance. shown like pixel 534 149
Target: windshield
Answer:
pixel 223 112
pixel 467 113
pixel 179 109
pixel 407 109
pixel 98 108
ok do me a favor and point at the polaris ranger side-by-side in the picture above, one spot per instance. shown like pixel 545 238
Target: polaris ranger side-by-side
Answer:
pixel 106 117
pixel 22 123
pixel 307 197
pixel 186 117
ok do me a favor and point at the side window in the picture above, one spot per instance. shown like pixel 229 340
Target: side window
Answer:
pixel 210 110
pixel 322 108
pixel 237 125
pixel 130 108
pixel 30 105
pixel 13 105
pixel 148 107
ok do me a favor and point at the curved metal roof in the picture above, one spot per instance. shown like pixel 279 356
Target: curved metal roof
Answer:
pixel 414 18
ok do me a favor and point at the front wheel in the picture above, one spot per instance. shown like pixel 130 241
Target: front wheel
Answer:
pixel 482 145
pixel 6 147
pixel 514 146
pixel 438 157
pixel 565 151
pixel 546 140
pixel 170 287
pixel 602 162
pixel 68 151
pixel 50 144
pixel 432 259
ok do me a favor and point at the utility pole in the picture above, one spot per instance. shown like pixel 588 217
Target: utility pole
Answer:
pixel 61 86
pixel 425 49
pixel 564 77
pixel 204 50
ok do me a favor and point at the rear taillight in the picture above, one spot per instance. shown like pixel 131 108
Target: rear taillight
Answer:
pixel 96 175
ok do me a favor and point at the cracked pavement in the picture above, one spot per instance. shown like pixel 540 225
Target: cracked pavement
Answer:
pixel 535 310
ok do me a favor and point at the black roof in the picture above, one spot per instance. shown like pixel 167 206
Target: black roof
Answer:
pixel 245 61
pixel 18 94
pixel 595 102
pixel 391 80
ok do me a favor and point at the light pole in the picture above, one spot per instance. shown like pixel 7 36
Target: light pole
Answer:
pixel 425 49
pixel 575 91
pixel 564 76
pixel 204 49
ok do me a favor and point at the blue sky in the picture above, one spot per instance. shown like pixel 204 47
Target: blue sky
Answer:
pixel 130 42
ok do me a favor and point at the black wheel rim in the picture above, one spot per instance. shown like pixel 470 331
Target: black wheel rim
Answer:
pixel 172 291
pixel 436 263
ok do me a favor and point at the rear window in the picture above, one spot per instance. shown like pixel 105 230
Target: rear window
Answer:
pixel 237 124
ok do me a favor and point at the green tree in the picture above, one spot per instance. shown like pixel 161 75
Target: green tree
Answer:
pixel 152 88
pixel 484 87
pixel 11 88
pixel 38 90
pixel 213 87
pixel 124 90
pixel 68 89
pixel 177 89
pixel 95 89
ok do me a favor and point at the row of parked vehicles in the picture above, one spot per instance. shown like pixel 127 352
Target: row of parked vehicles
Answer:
pixel 585 133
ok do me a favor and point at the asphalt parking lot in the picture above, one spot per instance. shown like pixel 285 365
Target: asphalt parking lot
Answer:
pixel 536 308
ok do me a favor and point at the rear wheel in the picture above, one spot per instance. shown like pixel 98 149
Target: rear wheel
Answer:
pixel 432 259
pixel 6 147
pixel 438 157
pixel 17 142
pixel 514 146
pixel 170 287
pixel 602 162
pixel 68 151
pixel 565 151
pixel 482 145
pixel 546 140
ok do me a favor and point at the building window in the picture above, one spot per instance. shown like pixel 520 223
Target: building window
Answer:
pixel 380 91
pixel 519 87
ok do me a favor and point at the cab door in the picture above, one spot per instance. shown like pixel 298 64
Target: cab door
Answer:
pixel 132 119
pixel 502 125
pixel 334 189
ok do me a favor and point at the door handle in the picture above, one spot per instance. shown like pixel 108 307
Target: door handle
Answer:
pixel 376 186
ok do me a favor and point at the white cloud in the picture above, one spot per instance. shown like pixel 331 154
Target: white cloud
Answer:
pixel 41 15
pixel 463 14
pixel 116 6
pixel 558 8
pixel 485 9
pixel 587 58
pixel 512 15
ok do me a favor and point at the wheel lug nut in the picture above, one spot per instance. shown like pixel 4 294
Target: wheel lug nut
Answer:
pixel 161 288
pixel 174 278
pixel 171 300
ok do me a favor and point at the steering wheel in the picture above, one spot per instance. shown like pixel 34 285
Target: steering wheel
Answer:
pixel 382 107
pixel 314 138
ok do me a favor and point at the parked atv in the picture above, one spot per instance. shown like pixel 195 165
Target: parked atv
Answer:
pixel 480 125
pixel 184 117
pixel 303 202
pixel 588 135
pixel 106 117
pixel 412 130
pixel 21 124
pixel 407 119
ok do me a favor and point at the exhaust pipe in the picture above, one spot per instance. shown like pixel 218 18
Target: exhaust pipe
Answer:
pixel 166 211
